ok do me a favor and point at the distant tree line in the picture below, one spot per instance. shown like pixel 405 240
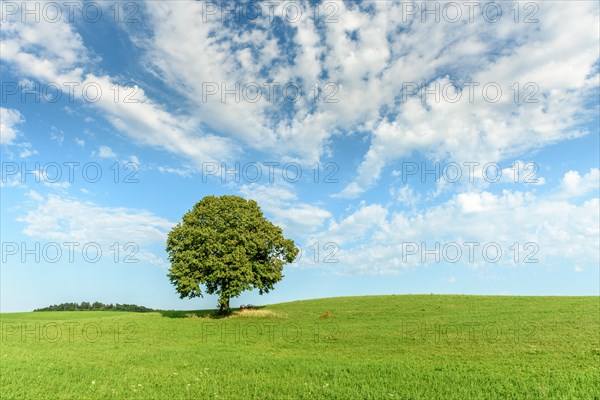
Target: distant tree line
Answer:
pixel 95 306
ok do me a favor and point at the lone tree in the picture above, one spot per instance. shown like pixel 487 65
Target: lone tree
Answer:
pixel 226 244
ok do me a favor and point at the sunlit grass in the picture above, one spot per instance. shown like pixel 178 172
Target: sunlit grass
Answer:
pixel 257 313
pixel 376 347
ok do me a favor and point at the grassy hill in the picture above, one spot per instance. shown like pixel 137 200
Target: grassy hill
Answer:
pixel 375 347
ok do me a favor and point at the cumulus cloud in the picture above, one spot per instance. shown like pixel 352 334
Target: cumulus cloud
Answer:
pixel 547 227
pixel 9 118
pixel 575 185
pixel 358 224
pixel 106 152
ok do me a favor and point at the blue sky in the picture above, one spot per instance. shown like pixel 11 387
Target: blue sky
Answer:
pixel 454 150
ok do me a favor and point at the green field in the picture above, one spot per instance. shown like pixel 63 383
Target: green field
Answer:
pixel 376 347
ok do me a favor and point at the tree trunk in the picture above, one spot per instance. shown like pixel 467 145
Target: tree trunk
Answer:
pixel 224 306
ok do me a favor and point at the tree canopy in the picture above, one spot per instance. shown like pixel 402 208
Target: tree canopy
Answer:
pixel 226 244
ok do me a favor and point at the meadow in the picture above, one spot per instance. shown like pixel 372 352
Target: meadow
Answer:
pixel 374 347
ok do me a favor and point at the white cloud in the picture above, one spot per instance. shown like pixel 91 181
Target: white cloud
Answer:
pixel 541 60
pixel 405 195
pixel 57 135
pixel 353 190
pixel 477 202
pixel 54 53
pixel 183 172
pixel 32 194
pixel 63 219
pixel 80 142
pixel 12 180
pixel 522 172
pixel 27 151
pixel 227 60
pixel 106 152
pixel 575 185
pixel 356 225
pixel 148 123
pixel 368 74
pixel 44 176
pixel 558 230
pixel 296 218
pixel 9 118
pixel 47 50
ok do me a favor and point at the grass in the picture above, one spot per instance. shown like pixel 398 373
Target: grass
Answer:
pixel 375 347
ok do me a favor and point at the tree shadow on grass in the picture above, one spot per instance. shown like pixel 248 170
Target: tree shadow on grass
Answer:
pixel 210 314
pixel 190 313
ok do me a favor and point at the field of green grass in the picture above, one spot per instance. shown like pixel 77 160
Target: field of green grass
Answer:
pixel 375 347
